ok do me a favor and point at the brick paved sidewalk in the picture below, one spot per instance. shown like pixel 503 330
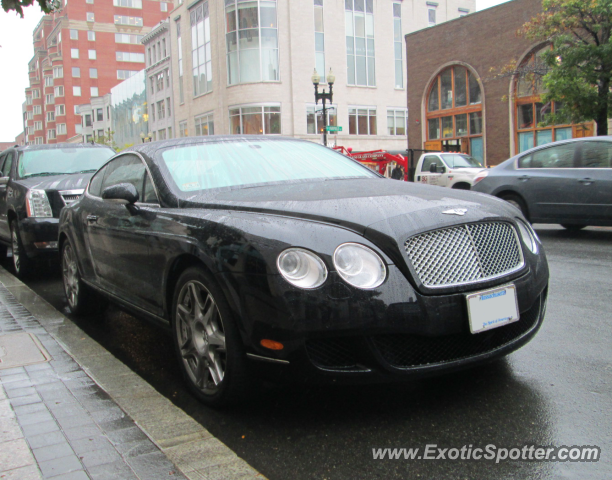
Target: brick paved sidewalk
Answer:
pixel 70 410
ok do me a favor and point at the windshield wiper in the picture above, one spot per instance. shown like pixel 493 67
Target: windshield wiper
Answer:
pixel 43 174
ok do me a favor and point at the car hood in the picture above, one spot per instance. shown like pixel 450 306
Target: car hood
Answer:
pixel 467 171
pixel 75 181
pixel 361 205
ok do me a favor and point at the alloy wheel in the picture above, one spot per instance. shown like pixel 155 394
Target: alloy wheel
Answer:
pixel 201 337
pixel 71 276
pixel 16 253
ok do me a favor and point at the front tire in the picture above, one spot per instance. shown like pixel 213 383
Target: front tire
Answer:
pixel 207 342
pixel 81 299
pixel 22 264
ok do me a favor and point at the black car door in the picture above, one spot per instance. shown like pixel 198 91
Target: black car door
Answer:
pixel 6 163
pixel 594 180
pixel 117 235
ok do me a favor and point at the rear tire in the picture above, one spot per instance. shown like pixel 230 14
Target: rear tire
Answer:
pixel 518 203
pixel 22 264
pixel 81 298
pixel 573 228
pixel 208 345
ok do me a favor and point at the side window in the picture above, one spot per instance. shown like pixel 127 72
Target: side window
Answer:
pixel 149 191
pixel 554 157
pixel 596 155
pixel 125 169
pixel 95 185
pixel 8 163
pixel 429 159
pixel 525 162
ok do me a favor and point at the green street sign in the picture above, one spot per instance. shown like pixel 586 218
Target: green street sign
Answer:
pixel 329 128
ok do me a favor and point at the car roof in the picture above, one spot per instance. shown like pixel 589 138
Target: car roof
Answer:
pixel 606 138
pixel 55 146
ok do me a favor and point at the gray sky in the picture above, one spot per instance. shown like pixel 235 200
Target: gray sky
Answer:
pixel 16 51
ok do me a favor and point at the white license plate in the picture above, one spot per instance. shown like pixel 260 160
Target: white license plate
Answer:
pixel 492 308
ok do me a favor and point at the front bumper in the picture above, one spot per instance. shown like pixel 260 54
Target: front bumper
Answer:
pixel 39 236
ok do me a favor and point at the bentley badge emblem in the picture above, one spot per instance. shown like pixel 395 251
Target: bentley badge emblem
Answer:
pixel 456 211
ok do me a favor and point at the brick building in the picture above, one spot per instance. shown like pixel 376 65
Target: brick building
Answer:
pixel 458 101
pixel 81 51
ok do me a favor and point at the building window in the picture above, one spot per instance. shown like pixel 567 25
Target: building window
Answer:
pixel 88 1
pixel 60 110
pixel 123 74
pixel 76 91
pixel 463 11
pixel 165 53
pixel 255 120
pixel 200 37
pixel 319 38
pixel 48 81
pixel 204 124
pixel 161 110
pixel 29 115
pixel 61 129
pixel 314 118
pixel 91 54
pixel 152 84
pixel 59 91
pixel 51 134
pixel 454 112
pixel 94 91
pixel 87 120
pixel 37 126
pixel 397 121
pixel 100 133
pixel 170 132
pixel 37 110
pixel 130 57
pixel 93 73
pixel 168 106
pixel 180 62
pixel 74 34
pixel 50 116
pixel 398 41
pixel 183 132
pixel 362 121
pixel 128 38
pixel 38 141
pixel 532 116
pixel 91 36
pixel 159 81
pixel 76 72
pixel 125 20
pixel 58 72
pixel 252 41
pixel 90 17
pixel 49 98
pixel 128 3
pixel 161 135
pixel 74 53
pixel 154 56
pixel 99 115
pixel 163 6
pixel 431 13
pixel 28 99
pixel 359 19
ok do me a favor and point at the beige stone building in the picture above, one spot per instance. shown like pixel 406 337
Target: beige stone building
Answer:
pixel 245 66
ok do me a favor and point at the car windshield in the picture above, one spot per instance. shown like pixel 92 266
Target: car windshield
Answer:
pixel 456 160
pixel 62 161
pixel 217 164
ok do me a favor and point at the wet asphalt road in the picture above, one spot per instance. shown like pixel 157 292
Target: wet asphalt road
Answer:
pixel 554 391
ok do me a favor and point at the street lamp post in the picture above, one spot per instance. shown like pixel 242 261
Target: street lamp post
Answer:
pixel 324 97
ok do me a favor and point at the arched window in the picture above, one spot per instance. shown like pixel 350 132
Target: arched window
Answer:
pixel 454 112
pixel 532 127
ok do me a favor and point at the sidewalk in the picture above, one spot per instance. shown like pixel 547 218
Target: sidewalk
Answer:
pixel 70 410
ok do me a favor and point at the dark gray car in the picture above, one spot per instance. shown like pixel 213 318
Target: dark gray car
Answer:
pixel 568 182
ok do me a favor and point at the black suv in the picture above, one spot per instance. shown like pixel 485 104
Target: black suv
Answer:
pixel 36 182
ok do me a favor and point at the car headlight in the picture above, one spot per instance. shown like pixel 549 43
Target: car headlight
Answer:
pixel 481 176
pixel 530 237
pixel 359 266
pixel 37 204
pixel 302 268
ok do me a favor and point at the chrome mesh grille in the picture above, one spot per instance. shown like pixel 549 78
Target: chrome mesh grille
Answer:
pixel 465 254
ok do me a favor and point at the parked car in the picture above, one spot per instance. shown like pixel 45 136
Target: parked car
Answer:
pixel 284 257
pixel 446 169
pixel 567 182
pixel 36 182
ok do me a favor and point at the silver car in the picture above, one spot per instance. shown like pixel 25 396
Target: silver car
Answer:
pixel 567 182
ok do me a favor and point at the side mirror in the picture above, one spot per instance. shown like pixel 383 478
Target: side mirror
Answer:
pixel 433 168
pixel 124 193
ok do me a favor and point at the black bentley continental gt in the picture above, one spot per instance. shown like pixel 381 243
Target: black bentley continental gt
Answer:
pixel 281 257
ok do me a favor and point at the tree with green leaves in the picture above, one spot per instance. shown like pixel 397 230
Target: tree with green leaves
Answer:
pixel 579 73
pixel 46 6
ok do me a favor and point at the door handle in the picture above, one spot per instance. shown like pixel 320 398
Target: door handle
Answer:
pixel 586 181
pixel 92 218
pixel 524 178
